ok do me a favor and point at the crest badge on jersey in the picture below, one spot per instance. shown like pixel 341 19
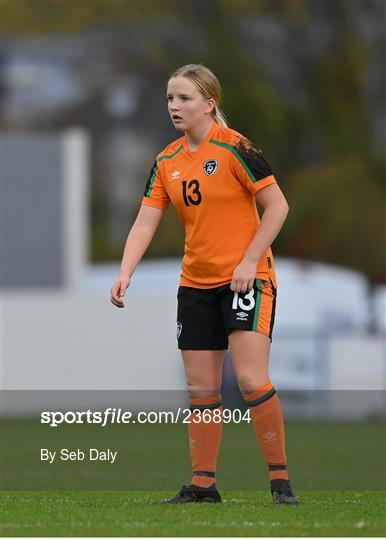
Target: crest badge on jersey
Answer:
pixel 210 166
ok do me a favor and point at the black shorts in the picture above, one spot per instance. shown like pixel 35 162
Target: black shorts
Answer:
pixel 205 317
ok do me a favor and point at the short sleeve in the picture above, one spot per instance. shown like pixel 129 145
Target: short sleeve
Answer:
pixel 155 194
pixel 249 166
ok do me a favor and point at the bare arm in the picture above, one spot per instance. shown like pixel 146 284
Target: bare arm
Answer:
pixel 139 238
pixel 137 243
pixel 275 212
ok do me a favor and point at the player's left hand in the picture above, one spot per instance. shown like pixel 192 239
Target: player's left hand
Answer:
pixel 244 276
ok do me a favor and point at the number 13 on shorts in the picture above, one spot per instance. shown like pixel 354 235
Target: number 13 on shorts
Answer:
pixel 255 310
pixel 247 302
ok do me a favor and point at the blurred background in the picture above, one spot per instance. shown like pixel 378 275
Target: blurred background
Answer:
pixel 83 114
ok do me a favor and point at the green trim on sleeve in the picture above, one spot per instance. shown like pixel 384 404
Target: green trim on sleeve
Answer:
pixel 151 182
pixel 237 156
pixel 156 169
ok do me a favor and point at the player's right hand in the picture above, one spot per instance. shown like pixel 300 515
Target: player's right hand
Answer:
pixel 118 291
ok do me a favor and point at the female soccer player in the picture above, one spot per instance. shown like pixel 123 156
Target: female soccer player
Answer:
pixel 213 176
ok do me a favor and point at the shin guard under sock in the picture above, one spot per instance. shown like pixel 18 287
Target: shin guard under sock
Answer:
pixel 268 424
pixel 205 434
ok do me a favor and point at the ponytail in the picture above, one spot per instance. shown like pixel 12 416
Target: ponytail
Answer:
pixel 219 117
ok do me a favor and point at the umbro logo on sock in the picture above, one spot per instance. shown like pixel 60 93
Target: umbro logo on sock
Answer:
pixel 269 436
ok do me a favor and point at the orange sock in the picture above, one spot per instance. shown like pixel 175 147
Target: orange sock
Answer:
pixel 268 424
pixel 205 434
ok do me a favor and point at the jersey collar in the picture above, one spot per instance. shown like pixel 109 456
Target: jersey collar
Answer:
pixel 193 155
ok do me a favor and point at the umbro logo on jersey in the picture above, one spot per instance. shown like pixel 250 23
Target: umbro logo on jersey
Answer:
pixel 176 175
pixel 210 166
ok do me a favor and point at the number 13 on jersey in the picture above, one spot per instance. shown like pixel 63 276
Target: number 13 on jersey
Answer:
pixel 191 192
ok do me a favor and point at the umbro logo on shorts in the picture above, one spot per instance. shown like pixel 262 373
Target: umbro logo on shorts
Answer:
pixel 241 316
pixel 210 166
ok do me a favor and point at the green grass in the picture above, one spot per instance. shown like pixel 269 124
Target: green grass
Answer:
pixel 321 455
pixel 241 514
pixel 338 470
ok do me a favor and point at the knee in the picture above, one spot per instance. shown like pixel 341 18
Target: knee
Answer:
pixel 201 387
pixel 197 390
pixel 250 383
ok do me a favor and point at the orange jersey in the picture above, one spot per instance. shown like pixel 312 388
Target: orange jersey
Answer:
pixel 213 191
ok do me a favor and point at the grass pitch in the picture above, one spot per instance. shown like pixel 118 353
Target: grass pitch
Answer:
pixel 241 514
pixel 338 471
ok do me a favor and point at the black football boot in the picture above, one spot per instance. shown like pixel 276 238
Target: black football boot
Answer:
pixel 282 492
pixel 195 494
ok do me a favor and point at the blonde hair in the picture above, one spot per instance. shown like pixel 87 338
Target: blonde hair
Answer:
pixel 207 83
